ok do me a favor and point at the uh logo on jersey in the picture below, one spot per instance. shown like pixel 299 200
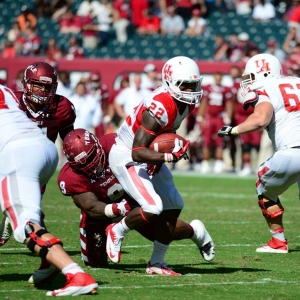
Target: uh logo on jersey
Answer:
pixel 262 65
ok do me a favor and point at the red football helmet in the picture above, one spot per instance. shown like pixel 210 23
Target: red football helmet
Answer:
pixel 84 152
pixel 43 75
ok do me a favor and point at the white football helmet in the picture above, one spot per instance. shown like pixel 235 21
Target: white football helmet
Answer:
pixel 259 67
pixel 181 69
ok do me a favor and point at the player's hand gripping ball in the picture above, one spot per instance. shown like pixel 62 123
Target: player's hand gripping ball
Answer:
pixel 165 142
pixel 174 145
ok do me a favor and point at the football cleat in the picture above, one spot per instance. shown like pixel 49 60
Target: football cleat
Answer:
pixel 5 231
pixel 274 246
pixel 46 273
pixel 203 240
pixel 113 244
pixel 160 269
pixel 77 284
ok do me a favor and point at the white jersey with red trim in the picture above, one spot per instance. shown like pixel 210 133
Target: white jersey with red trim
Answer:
pixel 13 121
pixel 162 107
pixel 284 95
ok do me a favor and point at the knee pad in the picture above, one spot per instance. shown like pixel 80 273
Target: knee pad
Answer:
pixel 246 148
pixel 265 205
pixel 35 239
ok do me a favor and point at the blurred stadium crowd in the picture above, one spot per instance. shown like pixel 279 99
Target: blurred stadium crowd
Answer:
pixel 147 29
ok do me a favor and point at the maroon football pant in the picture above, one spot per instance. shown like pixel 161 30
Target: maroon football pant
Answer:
pixel 93 239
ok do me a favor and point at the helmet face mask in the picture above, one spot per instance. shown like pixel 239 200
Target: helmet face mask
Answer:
pixel 260 67
pixel 40 83
pixel 84 153
pixel 181 78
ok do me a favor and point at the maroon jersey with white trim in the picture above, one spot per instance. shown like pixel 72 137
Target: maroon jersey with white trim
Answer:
pixel 216 97
pixel 56 116
pixel 162 106
pixel 106 188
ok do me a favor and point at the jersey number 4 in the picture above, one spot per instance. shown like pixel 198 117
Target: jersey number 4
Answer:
pixel 290 98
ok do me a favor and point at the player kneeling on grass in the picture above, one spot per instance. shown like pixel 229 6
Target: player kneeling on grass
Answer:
pixel 28 159
pixel 276 102
pixel 87 178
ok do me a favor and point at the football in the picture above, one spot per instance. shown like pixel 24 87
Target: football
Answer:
pixel 165 142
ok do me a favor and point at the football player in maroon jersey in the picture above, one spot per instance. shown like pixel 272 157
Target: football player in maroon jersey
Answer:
pixel 88 179
pixel 54 113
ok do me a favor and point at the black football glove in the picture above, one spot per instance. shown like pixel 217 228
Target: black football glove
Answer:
pixel 225 131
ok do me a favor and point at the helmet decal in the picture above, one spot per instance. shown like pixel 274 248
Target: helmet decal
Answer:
pixel 262 65
pixel 167 72
pixel 84 153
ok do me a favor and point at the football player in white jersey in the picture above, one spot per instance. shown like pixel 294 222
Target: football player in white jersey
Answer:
pixel 142 172
pixel 276 102
pixel 27 161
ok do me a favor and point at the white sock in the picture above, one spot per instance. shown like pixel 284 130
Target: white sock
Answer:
pixel 159 252
pixel 72 268
pixel 279 235
pixel 121 228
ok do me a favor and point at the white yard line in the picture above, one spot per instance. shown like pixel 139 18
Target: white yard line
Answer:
pixel 107 287
pixel 147 246
pixel 12 263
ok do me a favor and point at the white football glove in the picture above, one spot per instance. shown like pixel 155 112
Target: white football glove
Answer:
pixel 117 209
pixel 179 150
pixel 123 208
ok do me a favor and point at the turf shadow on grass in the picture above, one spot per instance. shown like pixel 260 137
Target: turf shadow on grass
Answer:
pixel 183 269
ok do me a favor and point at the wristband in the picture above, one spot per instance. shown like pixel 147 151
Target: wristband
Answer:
pixel 108 211
pixel 199 119
pixel 168 157
pixel 234 131
pixel 106 119
pixel 227 120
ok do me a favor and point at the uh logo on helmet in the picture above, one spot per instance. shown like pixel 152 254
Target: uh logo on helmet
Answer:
pixel 260 67
pixel 263 66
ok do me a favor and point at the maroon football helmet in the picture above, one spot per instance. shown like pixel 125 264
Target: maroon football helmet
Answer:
pixel 43 75
pixel 84 152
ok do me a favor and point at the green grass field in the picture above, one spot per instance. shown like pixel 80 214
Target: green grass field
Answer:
pixel 228 207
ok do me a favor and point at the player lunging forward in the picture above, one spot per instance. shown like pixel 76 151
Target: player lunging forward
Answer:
pixel 276 99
